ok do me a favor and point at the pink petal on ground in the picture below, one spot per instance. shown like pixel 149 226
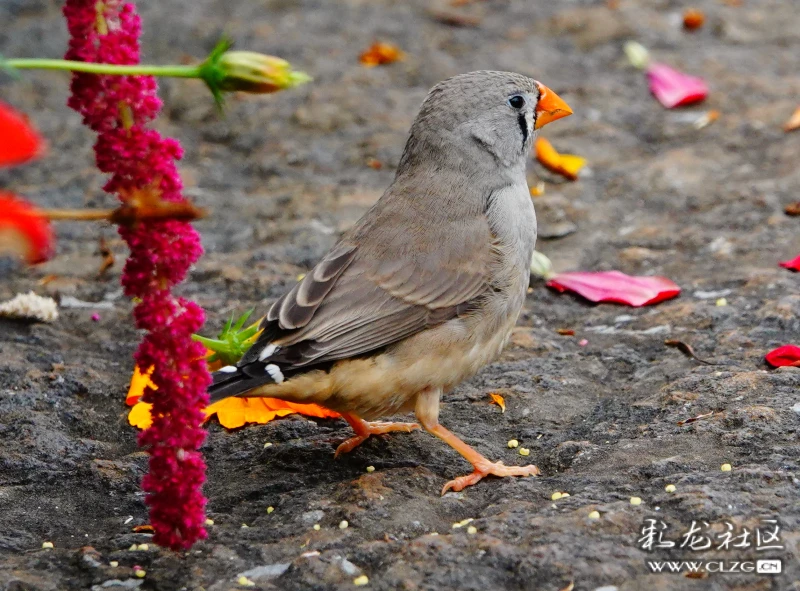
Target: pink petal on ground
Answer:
pixel 673 88
pixel 787 355
pixel 793 265
pixel 613 286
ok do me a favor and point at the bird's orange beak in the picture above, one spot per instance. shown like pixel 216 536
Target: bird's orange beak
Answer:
pixel 550 107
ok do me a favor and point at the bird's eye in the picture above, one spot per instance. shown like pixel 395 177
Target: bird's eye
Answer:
pixel 517 101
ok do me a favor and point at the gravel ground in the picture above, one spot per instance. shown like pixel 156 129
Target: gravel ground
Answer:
pixel 285 174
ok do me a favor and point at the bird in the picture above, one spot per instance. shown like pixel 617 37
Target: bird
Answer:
pixel 425 289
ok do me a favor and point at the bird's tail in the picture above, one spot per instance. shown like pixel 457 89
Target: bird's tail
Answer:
pixel 235 381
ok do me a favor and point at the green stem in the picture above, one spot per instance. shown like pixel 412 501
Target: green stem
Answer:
pixel 113 69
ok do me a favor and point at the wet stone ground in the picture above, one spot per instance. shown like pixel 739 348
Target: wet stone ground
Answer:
pixel 285 174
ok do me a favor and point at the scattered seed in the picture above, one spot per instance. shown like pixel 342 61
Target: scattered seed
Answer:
pixel 140 572
pixel 538 190
pixel 143 547
pixel 267 444
pixel 370 469
pixel 301 276
pixel 726 467
pixel 463 522
pixel 524 451
pixel 133 548
pixel 361 581
pixel 343 524
pixel 583 342
pixel 47 545
pixel 243 581
pixel 556 495
pixel 316 527
pixel 636 501
pixel 512 443
pixel 594 515
pixel 721 302
pixel 670 488
pixel 564 495
pixel 209 521
pixel 245 526
pixel 565 332
pixel 270 510
pixel 472 529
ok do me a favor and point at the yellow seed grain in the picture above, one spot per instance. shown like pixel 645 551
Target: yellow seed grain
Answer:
pixel 270 510
pixel 524 451
pixel 472 529
pixel 140 573
pixel 594 515
pixel 361 581
pixel 267 444
pixel 113 564
pixel 556 495
pixel 245 582
pixel 343 524
pixel 512 443
pixel 47 545
pixel 143 547
pixel 726 467
pixel 316 527
pixel 636 501
pixel 370 469
pixel 722 302
pixel 209 521
pixel 670 488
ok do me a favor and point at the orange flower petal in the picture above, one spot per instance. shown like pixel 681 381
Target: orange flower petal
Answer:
pixel 379 54
pixel 232 413
pixel 498 400
pixel 567 165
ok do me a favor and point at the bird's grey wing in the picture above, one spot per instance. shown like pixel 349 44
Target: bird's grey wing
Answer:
pixel 358 299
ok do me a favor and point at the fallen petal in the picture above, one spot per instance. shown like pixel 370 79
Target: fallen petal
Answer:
pixel 379 54
pixel 498 400
pixel 567 165
pixel 613 286
pixel 673 88
pixel 793 265
pixel 20 141
pixel 785 356
pixel 23 230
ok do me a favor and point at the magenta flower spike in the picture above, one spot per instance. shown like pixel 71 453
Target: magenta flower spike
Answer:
pixel 141 165
pixel 673 88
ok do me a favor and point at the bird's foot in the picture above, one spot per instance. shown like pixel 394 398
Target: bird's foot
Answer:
pixel 487 468
pixel 364 429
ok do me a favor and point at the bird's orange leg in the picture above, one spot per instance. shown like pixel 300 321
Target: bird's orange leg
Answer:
pixel 364 429
pixel 427 411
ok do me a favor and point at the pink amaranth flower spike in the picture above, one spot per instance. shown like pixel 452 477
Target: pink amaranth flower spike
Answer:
pixel 793 265
pixel 141 162
pixel 613 286
pixel 673 88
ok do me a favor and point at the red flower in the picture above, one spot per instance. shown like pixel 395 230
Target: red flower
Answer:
pixel 793 265
pixel 788 355
pixel 613 286
pixel 23 230
pixel 20 141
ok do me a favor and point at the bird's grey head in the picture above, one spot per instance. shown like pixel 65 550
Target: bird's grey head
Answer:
pixel 481 120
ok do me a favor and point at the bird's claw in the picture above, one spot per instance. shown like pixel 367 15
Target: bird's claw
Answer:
pixel 489 469
pixel 350 444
